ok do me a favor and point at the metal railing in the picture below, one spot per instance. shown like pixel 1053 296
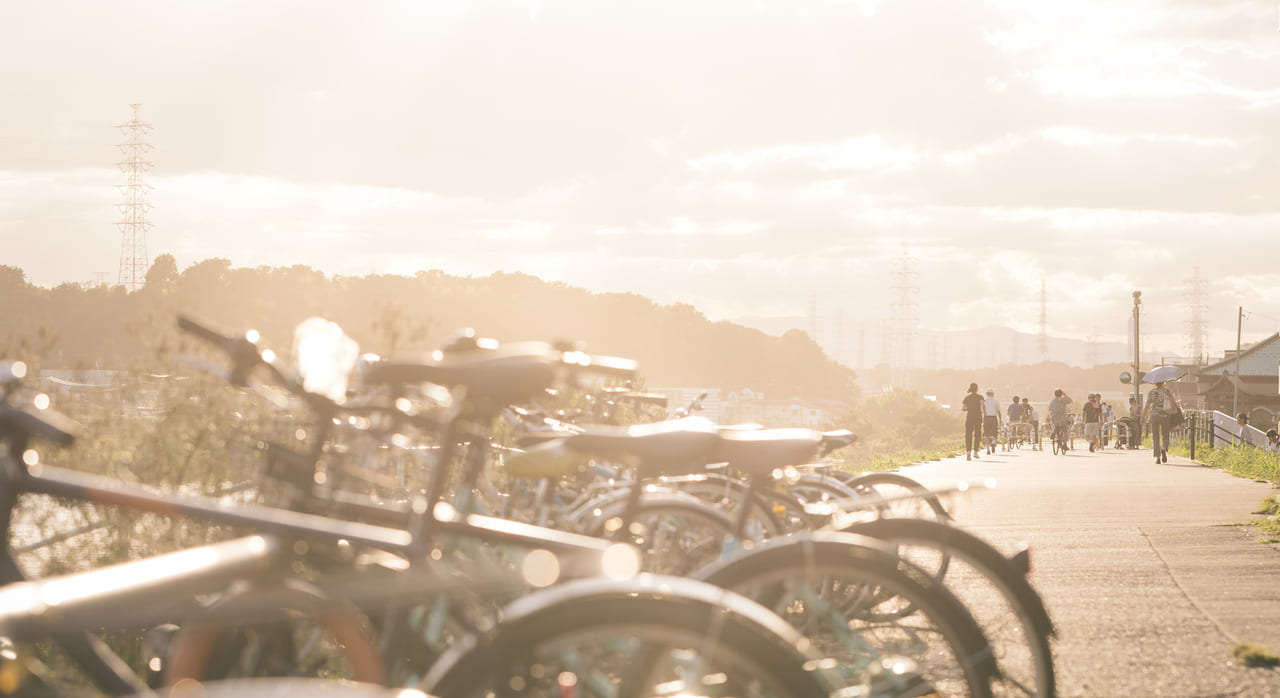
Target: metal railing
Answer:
pixel 1213 429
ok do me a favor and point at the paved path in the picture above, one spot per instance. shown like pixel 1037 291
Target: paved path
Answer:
pixel 1139 564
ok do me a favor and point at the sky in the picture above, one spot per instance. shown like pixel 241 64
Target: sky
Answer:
pixel 752 159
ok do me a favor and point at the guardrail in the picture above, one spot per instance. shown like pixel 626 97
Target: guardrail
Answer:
pixel 1213 428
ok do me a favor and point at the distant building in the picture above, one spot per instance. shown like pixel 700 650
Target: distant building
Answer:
pixel 1257 387
pixel 749 407
pixel 746 406
pixel 678 398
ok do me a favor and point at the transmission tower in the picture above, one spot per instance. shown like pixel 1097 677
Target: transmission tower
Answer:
pixel 1044 326
pixel 1197 327
pixel 886 343
pixel 133 222
pixel 905 329
pixel 839 354
pixel 813 316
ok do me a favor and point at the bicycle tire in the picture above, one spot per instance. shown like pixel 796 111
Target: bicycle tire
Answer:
pixel 936 649
pixel 211 645
pixel 729 495
pixel 872 480
pixel 652 618
pixel 813 488
pixel 1029 675
pixel 675 534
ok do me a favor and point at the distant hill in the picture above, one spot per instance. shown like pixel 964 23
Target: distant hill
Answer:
pixel 70 326
pixel 984 347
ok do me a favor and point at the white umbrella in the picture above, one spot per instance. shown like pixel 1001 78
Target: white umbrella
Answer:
pixel 1160 374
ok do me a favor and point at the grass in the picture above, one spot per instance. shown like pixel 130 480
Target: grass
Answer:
pixel 903 458
pixel 1241 461
pixel 1246 462
pixel 1254 655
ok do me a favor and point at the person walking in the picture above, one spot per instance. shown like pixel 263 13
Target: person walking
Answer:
pixel 1108 424
pixel 1092 412
pixel 1134 426
pixel 1160 405
pixel 1016 414
pixel 1033 417
pixel 973 406
pixel 991 419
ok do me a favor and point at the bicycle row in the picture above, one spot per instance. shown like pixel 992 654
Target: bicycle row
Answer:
pixel 431 527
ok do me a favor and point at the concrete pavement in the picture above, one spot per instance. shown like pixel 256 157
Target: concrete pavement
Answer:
pixel 1142 565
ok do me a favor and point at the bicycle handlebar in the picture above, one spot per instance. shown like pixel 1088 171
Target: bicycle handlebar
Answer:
pixel 245 355
pixel 44 423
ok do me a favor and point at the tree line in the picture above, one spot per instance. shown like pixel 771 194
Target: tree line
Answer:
pixel 74 326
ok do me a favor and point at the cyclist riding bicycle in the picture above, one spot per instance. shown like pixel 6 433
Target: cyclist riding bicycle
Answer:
pixel 1059 415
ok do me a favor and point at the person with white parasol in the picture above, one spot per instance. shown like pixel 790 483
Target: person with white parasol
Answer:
pixel 1161 406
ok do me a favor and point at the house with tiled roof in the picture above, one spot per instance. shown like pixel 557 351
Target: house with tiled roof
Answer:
pixel 1256 390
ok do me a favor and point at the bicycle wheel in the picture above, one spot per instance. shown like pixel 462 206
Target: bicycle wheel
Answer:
pixel 648 636
pixel 1008 609
pixel 675 534
pixel 764 519
pixel 287 631
pixel 900 497
pixel 889 628
pixel 812 491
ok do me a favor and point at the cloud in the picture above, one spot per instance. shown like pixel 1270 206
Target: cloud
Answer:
pixel 737 156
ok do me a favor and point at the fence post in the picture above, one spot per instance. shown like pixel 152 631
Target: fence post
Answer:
pixel 1212 427
pixel 1191 430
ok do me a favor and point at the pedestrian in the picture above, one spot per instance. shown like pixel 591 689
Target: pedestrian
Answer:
pixel 972 405
pixel 1108 423
pixel 1134 425
pixel 991 419
pixel 1273 441
pixel 1160 405
pixel 1242 428
pixel 1033 417
pixel 1092 413
pixel 1016 414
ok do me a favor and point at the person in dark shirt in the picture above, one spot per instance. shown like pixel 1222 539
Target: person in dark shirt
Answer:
pixel 973 408
pixel 1016 415
pixel 1092 413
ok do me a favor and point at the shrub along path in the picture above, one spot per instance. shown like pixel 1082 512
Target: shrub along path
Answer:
pixel 1143 566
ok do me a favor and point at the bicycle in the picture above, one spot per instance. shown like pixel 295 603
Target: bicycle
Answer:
pixel 1059 438
pixel 318 531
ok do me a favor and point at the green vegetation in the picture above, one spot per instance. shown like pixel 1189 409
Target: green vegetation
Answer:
pixel 1269 506
pixel 71 327
pixel 1246 462
pixel 899 428
pixel 1254 655
pixel 1241 461
pixel 899 459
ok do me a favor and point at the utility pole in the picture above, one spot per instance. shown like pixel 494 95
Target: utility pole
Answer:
pixel 1044 326
pixel 1137 305
pixel 1235 398
pixel 133 222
